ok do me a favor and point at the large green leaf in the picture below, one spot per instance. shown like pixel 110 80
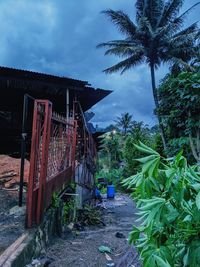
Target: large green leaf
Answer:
pixel 196 186
pixel 198 201
pixel 160 262
pixel 134 235
pixel 151 167
pixel 143 148
pixel 146 159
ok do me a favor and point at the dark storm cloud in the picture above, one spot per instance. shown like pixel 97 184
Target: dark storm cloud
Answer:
pixel 60 37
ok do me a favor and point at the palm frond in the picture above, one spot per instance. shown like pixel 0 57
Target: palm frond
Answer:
pixel 170 11
pixel 176 24
pixel 175 61
pixel 184 52
pixel 178 21
pixel 121 21
pixel 123 51
pixel 126 64
pixel 116 43
pixel 145 27
pixel 192 29
pixel 140 8
pixel 153 11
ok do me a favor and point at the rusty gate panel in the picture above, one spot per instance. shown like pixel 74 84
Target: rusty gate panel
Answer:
pixel 52 160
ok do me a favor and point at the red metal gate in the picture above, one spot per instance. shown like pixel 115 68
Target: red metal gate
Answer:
pixel 52 161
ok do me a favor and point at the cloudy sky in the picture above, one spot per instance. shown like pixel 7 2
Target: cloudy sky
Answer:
pixel 60 37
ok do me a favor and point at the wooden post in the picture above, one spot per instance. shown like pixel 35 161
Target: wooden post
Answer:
pixel 67 104
pixel 73 156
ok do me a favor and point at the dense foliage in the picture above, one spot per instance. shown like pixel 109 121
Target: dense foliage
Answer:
pixel 180 109
pixel 118 153
pixel 110 154
pixel 167 192
pixel 138 132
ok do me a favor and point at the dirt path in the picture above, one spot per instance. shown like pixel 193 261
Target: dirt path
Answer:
pixel 82 251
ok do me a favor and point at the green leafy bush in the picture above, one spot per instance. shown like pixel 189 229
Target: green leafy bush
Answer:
pixel 167 192
pixel 179 107
pixel 113 176
pixel 149 137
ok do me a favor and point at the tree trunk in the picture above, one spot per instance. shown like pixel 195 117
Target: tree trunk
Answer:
pixel 194 150
pixel 155 95
pixel 125 131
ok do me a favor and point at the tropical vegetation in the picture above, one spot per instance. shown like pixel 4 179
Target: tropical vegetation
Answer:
pixel 162 173
pixel 124 122
pixel 167 193
pixel 180 110
pixel 156 36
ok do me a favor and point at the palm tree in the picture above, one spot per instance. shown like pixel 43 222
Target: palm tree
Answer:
pixel 124 122
pixel 156 37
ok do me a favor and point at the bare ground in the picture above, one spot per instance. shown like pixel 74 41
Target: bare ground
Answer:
pixel 11 218
pixel 82 250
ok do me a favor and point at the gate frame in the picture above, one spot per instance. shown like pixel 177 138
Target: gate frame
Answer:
pixel 39 195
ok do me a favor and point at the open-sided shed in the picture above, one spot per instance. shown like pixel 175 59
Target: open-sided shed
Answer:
pixel 61 91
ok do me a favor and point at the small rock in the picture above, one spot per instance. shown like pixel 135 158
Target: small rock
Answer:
pixel 119 235
pixel 41 262
pixel 76 243
pixel 111 264
pixel 36 263
pixel 46 261
pixel 70 226
pixel 17 211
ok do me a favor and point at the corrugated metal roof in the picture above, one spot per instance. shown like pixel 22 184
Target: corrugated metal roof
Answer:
pixel 32 75
pixel 16 82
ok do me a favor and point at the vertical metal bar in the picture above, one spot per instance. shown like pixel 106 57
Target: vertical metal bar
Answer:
pixel 23 148
pixel 33 159
pixel 44 160
pixel 23 145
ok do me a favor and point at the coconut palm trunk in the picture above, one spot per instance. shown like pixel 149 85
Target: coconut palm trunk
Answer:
pixel 156 100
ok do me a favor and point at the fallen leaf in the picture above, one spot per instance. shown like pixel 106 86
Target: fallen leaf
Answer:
pixel 104 249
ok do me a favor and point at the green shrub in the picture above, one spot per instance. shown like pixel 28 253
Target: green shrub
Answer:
pixel 167 192
pixel 69 211
pixel 113 176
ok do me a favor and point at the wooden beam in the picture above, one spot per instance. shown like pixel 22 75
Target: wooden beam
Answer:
pixel 11 249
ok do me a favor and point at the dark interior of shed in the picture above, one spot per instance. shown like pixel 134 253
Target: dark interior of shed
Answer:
pixel 15 84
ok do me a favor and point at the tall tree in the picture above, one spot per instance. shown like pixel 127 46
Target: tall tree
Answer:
pixel 156 36
pixel 180 109
pixel 124 122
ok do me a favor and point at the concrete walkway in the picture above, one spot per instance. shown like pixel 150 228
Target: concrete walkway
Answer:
pixel 119 216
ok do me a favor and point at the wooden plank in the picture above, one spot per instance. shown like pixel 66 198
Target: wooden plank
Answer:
pixel 11 249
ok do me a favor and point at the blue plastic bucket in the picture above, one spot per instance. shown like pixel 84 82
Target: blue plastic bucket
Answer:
pixel 110 191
